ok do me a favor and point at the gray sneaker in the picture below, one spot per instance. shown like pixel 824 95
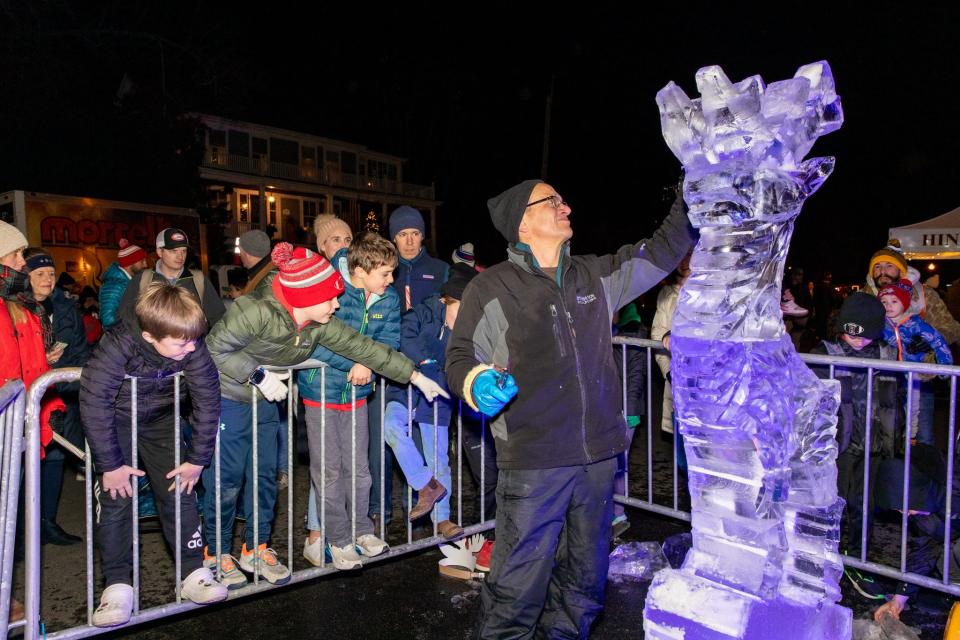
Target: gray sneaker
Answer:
pixel 345 558
pixel 270 568
pixel 230 576
pixel 370 545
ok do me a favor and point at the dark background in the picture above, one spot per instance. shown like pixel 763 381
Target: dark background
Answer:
pixel 91 96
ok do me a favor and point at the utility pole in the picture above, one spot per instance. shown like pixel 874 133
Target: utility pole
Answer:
pixel 546 128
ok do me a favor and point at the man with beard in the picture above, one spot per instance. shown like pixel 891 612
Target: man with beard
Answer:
pixel 888 266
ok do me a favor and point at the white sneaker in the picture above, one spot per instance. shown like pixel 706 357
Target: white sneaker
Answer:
pixel 116 606
pixel 270 568
pixel 313 552
pixel 345 558
pixel 201 588
pixel 370 545
pixel 230 576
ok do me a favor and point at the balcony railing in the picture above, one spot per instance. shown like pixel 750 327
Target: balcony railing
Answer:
pixel 217 159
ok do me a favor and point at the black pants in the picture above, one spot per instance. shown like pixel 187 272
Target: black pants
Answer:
pixel 850 469
pixel 114 532
pixel 471 451
pixel 549 567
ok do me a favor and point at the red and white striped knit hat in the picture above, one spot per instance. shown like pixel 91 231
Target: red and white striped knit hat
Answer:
pixel 129 254
pixel 306 278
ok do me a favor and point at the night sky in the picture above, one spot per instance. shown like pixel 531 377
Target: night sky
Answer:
pixel 460 90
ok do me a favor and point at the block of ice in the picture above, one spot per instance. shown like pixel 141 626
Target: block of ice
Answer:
pixel 636 561
pixel 758 426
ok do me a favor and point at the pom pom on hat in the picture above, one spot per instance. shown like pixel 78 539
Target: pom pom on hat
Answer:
pixel 306 278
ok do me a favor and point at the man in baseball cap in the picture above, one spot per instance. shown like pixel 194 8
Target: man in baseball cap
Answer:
pixel 172 248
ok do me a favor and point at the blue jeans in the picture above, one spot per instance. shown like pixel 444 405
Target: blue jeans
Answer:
pixel 374 422
pixel 418 469
pixel 236 467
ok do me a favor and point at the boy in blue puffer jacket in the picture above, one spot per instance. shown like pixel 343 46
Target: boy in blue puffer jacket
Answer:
pixel 424 331
pixel 371 306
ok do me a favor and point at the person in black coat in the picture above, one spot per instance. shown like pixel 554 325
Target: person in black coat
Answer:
pixel 70 350
pixel 162 338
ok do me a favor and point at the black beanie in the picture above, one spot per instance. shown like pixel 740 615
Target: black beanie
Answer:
pixel 457 278
pixel 506 209
pixel 861 316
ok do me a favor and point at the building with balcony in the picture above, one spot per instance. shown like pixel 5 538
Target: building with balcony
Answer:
pixel 270 178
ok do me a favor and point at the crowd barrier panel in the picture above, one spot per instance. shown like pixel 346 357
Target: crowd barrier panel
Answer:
pixel 12 405
pixel 872 367
pixel 180 604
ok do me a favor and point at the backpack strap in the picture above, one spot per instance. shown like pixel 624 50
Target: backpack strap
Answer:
pixel 198 283
pixel 146 278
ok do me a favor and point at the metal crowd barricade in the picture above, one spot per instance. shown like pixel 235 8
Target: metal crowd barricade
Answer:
pixel 872 367
pixel 12 402
pixel 10 486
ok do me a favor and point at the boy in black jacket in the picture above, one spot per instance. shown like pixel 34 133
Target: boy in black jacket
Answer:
pixel 860 325
pixel 161 340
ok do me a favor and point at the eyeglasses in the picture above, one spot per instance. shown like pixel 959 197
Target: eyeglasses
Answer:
pixel 555 201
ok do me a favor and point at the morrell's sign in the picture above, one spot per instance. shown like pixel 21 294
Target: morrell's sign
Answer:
pixel 140 228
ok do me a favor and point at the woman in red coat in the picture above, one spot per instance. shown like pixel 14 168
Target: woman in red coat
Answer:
pixel 26 338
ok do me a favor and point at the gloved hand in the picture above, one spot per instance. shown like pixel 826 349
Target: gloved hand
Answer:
pixel 427 387
pixel 918 345
pixel 272 386
pixel 56 421
pixel 492 390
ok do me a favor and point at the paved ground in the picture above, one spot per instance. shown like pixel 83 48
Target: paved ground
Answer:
pixel 402 598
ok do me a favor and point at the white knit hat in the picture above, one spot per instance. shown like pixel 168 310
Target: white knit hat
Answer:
pixel 10 239
pixel 464 254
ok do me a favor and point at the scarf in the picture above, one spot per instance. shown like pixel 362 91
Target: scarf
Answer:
pixel 15 287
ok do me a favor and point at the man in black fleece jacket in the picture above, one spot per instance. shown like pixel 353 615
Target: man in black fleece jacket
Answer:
pixel 538 326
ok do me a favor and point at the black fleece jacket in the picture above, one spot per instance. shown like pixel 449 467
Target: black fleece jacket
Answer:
pixel 552 332
pixel 105 394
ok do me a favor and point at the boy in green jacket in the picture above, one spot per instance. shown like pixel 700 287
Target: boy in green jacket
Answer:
pixel 279 324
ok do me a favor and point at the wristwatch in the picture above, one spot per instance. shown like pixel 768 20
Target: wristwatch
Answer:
pixel 258 375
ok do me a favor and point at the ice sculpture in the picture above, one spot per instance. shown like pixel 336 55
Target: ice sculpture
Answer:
pixel 758 426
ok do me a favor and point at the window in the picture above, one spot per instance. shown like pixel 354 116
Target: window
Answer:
pixel 310 210
pixel 218 138
pixel 249 208
pixel 348 162
pixel 239 143
pixel 286 151
pixel 259 147
pixel 391 172
pixel 307 153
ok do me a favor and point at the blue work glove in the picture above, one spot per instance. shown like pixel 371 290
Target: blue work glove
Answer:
pixel 492 390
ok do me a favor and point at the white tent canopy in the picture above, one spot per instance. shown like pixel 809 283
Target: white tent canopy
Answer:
pixel 934 239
